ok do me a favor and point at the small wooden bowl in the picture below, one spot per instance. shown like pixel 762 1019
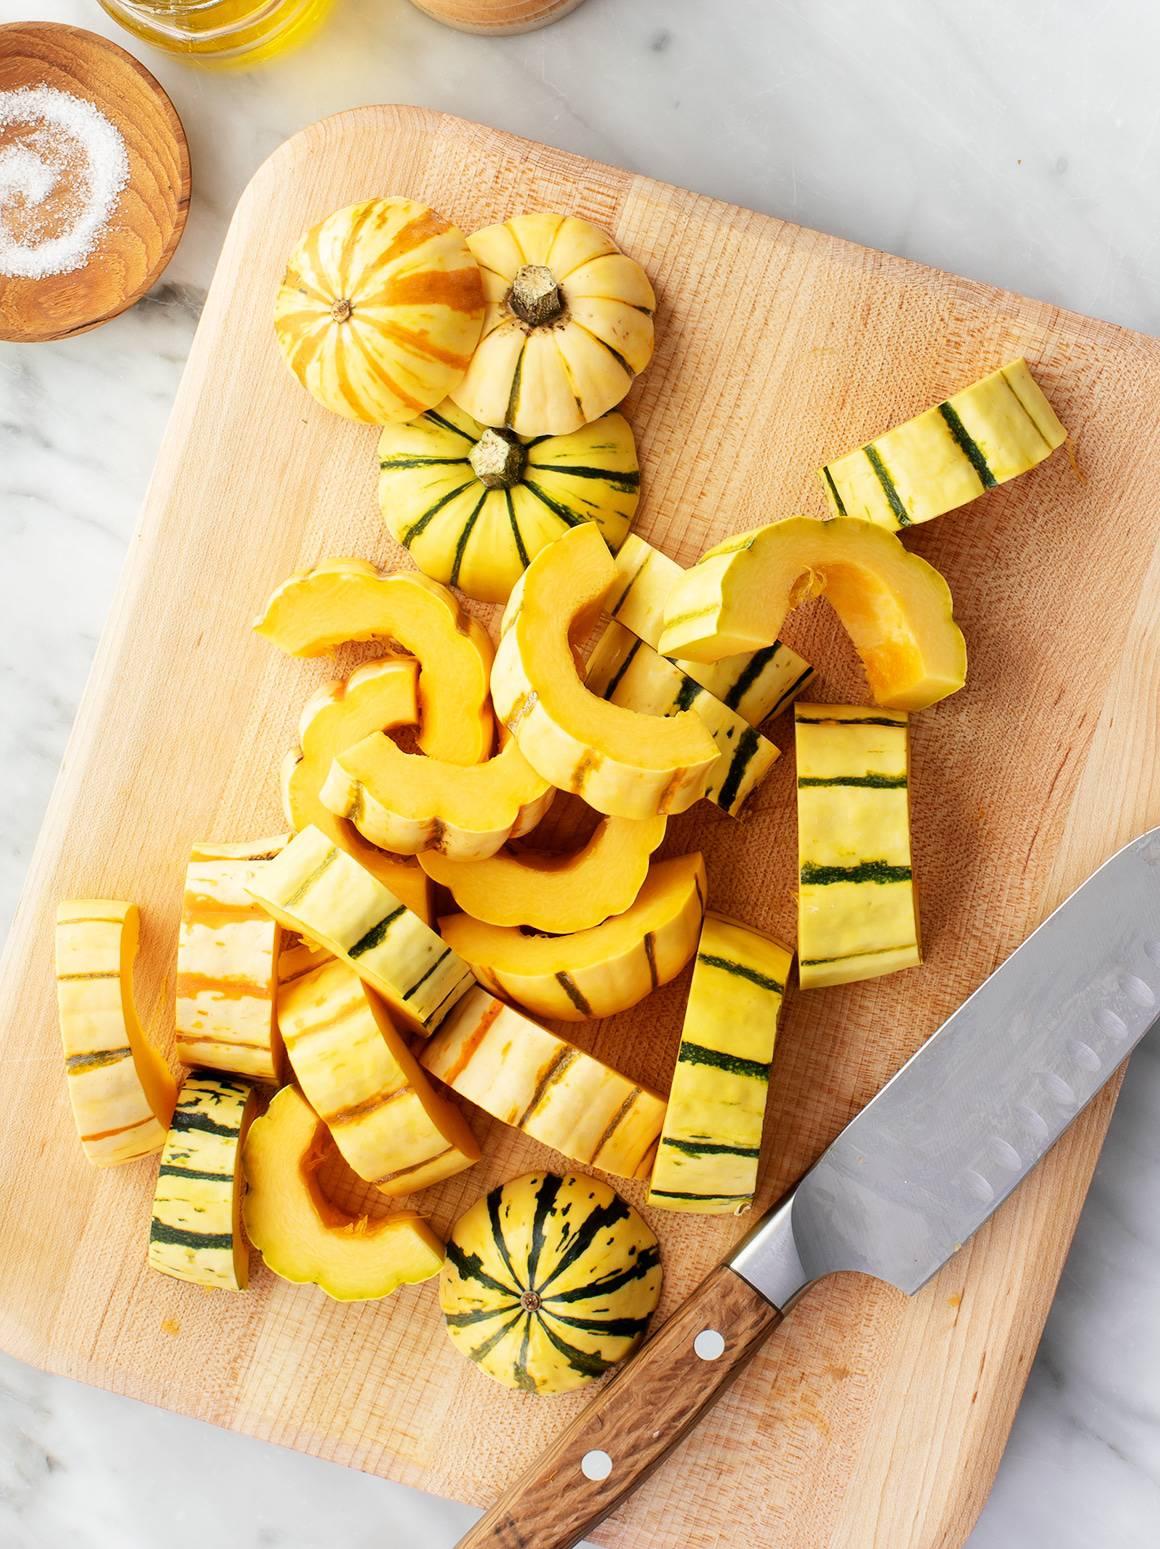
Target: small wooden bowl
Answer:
pixel 496 17
pixel 146 224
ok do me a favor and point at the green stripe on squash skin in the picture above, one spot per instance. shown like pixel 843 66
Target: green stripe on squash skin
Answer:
pixel 818 962
pixel 377 933
pixel 524 1379
pixel 186 1120
pixel 741 971
pixel 614 681
pixel 650 952
pixel 709 1148
pixel 747 745
pixel 422 979
pixel 687 693
pixel 546 1196
pixel 422 522
pixel 418 462
pixel 646 1261
pixel 632 580
pixel 513 402
pixel 447 425
pixel 864 871
pixel 168 1170
pixel 501 1333
pixel 177 1237
pixel 565 513
pixel 465 534
pixel 626 1328
pixel 725 1199
pixel 556 1068
pixel 310 879
pixel 78 1064
pixel 838 501
pixel 469 1266
pixel 895 500
pixel 717 1059
pixel 861 720
pixel 967 444
pixel 574 994
pixel 623 483
pixel 869 782
pixel 515 526
pixel 493 1203
pixel 598 1220
pixel 792 691
pixel 480 1315
pixel 750 673
pixel 587 1362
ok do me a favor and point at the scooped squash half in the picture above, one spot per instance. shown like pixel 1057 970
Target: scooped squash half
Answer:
pixel 539 1083
pixel 551 892
pixel 621 762
pixel 121 1090
pixel 895 607
pixel 364 1083
pixel 303 1236
pixel 344 599
pixel 408 803
pixel 378 696
pixel 596 972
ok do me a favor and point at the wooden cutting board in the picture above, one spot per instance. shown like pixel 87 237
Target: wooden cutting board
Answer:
pixel 871 1420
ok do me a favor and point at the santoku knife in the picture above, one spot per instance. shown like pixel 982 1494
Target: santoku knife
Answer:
pixel 899 1191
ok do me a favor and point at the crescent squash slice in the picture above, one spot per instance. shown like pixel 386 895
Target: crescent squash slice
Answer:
pixel 473 505
pixel 303 1235
pixel 364 1083
pixel 556 893
pixel 976 439
pixel 857 905
pixel 227 964
pixel 120 1089
pixel 596 972
pixel 895 607
pixel 407 802
pixel 539 1083
pixel 757 684
pixel 345 599
pixel 323 893
pixel 549 1282
pixel 622 762
pixel 196 1230
pixel 378 696
pixel 380 309
pixel 625 671
pixel 710 1146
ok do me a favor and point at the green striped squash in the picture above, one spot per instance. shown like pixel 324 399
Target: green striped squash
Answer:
pixel 710 1145
pixel 549 1281
pixel 474 506
pixel 195 1233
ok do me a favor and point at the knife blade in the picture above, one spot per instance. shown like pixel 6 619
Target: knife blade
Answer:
pixel 899 1191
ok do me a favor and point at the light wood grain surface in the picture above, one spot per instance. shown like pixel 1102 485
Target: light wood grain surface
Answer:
pixel 869 1420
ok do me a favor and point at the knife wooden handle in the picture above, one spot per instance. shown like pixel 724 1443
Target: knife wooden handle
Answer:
pixel 640 1416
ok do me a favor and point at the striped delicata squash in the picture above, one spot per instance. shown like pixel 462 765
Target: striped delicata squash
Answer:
pixel 569 323
pixel 380 309
pixel 473 506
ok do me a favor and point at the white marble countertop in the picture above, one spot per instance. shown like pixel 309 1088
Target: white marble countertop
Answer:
pixel 1012 143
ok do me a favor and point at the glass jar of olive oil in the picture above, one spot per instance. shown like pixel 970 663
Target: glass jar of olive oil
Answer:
pixel 222 32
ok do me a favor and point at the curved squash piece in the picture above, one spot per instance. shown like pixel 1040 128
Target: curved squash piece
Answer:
pixel 549 1281
pixel 319 891
pixel 121 1090
pixel 896 608
pixel 551 892
pixel 196 1230
pixel 408 803
pixel 364 1083
pixel 621 762
pixel 597 972
pixel 344 599
pixel 976 439
pixel 473 506
pixel 378 696
pixel 307 1239
pixel 541 1084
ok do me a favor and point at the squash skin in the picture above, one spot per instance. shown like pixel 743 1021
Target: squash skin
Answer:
pixel 305 1238
pixel 344 599
pixel 512 1241
pixel 896 608
pixel 550 892
pixel 480 539
pixel 380 309
pixel 621 762
pixel 597 972
pixel 120 1089
pixel 551 378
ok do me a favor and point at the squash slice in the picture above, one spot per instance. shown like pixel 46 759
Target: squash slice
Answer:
pixel 977 439
pixel 196 1230
pixel 539 1083
pixel 710 1146
pixel 408 803
pixel 319 891
pixel 857 906
pixel 120 1089
pixel 363 1082
pixel 621 762
pixel 227 964
pixel 551 892
pixel 895 607
pixel 344 599
pixel 625 671
pixel 757 684
pixel 378 696
pixel 596 972
pixel 307 1239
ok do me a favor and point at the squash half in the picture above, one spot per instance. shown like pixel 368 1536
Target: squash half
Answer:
pixel 895 607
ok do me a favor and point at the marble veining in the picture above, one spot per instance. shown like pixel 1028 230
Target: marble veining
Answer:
pixel 1012 143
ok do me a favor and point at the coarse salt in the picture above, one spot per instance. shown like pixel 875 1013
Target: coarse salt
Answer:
pixel 62 168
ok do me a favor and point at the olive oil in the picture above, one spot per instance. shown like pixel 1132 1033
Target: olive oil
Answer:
pixel 220 32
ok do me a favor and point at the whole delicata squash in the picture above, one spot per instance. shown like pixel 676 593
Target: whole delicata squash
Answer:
pixel 473 506
pixel 380 309
pixel 569 323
